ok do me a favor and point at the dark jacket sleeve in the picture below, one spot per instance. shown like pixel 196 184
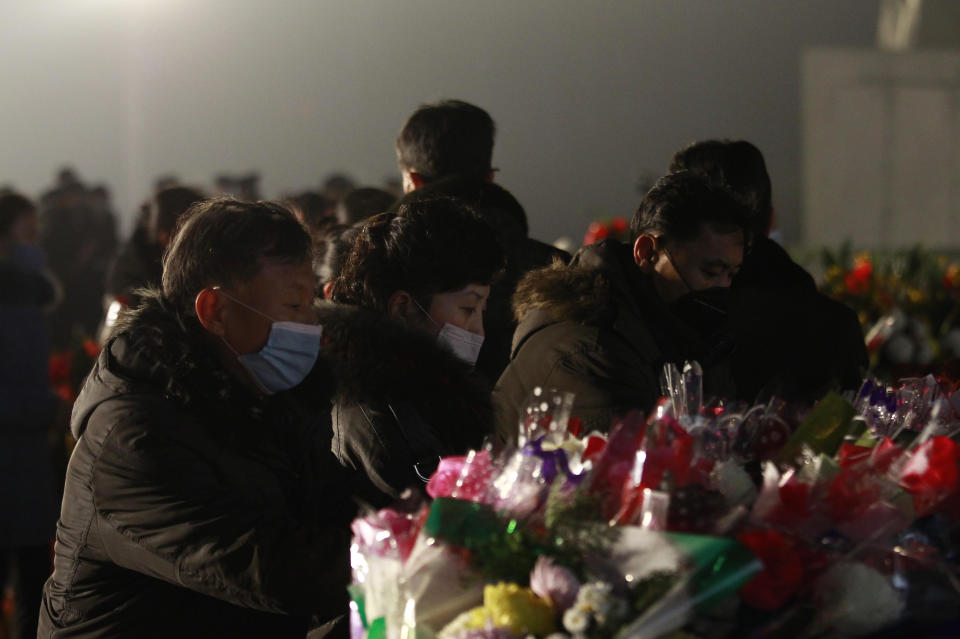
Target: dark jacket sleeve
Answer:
pixel 165 510
pixel 391 444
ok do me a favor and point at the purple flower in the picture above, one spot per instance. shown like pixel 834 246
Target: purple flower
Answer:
pixel 556 584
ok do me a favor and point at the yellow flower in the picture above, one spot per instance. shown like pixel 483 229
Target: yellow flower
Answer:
pixel 915 295
pixel 518 609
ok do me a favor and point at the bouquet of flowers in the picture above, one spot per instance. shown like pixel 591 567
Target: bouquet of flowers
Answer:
pixel 702 520
pixel 908 302
pixel 616 228
pixel 68 368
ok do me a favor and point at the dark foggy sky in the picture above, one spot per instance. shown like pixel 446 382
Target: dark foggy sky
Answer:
pixel 586 95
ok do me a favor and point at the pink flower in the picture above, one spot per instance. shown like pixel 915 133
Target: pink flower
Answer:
pixel 556 584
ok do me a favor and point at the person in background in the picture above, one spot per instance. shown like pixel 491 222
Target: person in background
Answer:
pixel 331 256
pixel 336 185
pixel 791 340
pixel 201 498
pixel 604 327
pixel 403 334
pixel 362 203
pixel 450 137
pixel 446 148
pixel 78 234
pixel 138 265
pixel 28 491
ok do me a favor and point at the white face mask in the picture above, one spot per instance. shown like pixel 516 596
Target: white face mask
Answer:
pixel 464 344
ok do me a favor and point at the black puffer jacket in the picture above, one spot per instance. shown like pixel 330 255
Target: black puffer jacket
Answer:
pixel 598 329
pixel 191 507
pixel 401 401
pixel 792 341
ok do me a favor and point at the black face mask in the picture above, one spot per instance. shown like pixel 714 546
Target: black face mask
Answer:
pixel 704 310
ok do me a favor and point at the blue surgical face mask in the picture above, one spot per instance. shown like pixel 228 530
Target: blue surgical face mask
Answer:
pixel 287 357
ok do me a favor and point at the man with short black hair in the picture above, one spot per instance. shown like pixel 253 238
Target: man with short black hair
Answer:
pixel 791 340
pixel 450 137
pixel 199 498
pixel 604 327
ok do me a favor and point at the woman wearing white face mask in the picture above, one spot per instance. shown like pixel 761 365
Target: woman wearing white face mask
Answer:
pixel 402 337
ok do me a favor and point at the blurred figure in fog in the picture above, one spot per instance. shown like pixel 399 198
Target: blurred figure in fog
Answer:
pixel 28 491
pixel 242 187
pixel 362 203
pixel 791 341
pixel 331 256
pixel 336 186
pixel 78 233
pixel 139 263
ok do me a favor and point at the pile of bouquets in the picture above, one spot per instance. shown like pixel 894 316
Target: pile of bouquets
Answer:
pixel 710 520
pixel 908 302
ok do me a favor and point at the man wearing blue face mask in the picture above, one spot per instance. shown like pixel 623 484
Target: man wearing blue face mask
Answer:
pixel 404 332
pixel 604 326
pixel 201 498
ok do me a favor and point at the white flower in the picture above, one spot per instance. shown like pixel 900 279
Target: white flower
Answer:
pixel 595 597
pixel 557 635
pixel 855 599
pixel 576 620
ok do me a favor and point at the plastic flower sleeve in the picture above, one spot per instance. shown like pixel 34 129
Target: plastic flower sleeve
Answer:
pixel 712 569
pixel 382 541
pixel 437 582
pixel 546 414
pixel 691 386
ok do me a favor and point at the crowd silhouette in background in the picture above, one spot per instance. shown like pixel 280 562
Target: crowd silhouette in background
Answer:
pixel 264 367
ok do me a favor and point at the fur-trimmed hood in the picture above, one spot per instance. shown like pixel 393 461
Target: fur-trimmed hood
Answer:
pixel 374 359
pixel 598 286
pixel 156 346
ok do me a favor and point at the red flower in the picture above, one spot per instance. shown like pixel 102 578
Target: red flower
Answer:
pixel 91 348
pixel 595 232
pixel 851 493
pixel 858 279
pixel 931 473
pixel 59 367
pixel 782 573
pixel 619 225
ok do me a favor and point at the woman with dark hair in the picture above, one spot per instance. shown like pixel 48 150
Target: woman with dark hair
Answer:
pixel 402 337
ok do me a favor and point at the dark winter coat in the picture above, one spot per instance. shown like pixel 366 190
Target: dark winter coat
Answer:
pixel 598 329
pixel 191 506
pixel 28 488
pixel 401 400
pixel 791 340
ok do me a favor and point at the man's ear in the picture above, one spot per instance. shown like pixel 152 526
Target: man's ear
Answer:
pixel 645 252
pixel 209 306
pixel 411 180
pixel 400 304
pixel 328 289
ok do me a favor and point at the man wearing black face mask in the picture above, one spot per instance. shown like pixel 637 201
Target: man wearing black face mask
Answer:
pixel 604 326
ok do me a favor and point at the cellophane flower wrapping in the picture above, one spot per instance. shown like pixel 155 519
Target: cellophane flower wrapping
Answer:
pixel 771 521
